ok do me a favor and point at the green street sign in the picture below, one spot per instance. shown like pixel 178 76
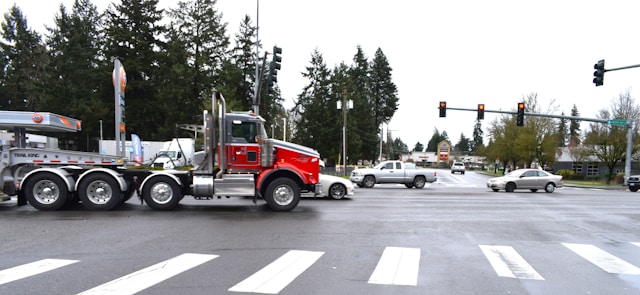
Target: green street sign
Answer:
pixel 617 122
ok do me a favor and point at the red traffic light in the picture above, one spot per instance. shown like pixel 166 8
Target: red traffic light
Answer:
pixel 521 106
pixel 481 111
pixel 443 109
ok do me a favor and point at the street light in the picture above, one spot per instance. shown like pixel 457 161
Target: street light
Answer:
pixel 348 105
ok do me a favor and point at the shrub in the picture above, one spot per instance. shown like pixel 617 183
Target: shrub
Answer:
pixel 566 173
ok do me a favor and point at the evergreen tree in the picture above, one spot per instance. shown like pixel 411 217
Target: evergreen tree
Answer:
pixel 23 63
pixel 361 118
pixel 563 132
pixel 243 56
pixel 574 128
pixel 312 106
pixel 131 35
pixel 436 138
pixel 384 92
pixel 463 145
pixel 419 147
pixel 74 79
pixel 478 138
pixel 199 27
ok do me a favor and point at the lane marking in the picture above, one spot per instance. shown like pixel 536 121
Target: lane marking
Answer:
pixel 145 278
pixel 397 266
pixel 506 261
pixel 603 259
pixel 277 275
pixel 31 269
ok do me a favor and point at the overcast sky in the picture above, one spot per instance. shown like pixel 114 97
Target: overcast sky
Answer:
pixel 463 52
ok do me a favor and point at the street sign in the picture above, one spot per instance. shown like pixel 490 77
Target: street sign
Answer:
pixel 617 122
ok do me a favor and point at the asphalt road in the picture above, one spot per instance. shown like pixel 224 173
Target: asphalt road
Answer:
pixel 453 237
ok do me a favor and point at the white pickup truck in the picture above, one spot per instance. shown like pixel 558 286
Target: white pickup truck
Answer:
pixel 393 172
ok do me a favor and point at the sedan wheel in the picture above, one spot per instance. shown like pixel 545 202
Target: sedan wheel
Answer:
pixel 550 187
pixel 337 191
pixel 510 187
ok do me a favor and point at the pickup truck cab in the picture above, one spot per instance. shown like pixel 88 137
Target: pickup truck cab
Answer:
pixel 393 172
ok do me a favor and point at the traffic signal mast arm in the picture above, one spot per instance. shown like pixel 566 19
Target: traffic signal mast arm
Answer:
pixel 598 74
pixel 533 114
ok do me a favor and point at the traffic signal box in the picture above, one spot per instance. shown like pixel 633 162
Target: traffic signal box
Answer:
pixel 598 74
pixel 443 109
pixel 481 111
pixel 520 117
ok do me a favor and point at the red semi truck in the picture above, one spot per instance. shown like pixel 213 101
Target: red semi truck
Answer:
pixel 241 162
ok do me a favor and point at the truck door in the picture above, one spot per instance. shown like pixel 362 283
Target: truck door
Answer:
pixel 243 150
pixel 388 173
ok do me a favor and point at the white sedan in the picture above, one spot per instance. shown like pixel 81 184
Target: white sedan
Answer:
pixel 335 187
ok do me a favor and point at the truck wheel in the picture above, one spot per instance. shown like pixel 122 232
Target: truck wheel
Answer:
pixel 283 194
pixel 633 189
pixel 100 192
pixel 419 182
pixel 46 191
pixel 368 181
pixel 162 193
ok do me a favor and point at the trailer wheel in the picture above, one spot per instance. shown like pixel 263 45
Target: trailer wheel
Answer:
pixel 162 193
pixel 46 191
pixel 100 192
pixel 283 194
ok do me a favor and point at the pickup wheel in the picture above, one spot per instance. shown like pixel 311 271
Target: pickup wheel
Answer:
pixel 408 185
pixel 419 182
pixel 46 191
pixel 162 193
pixel 369 181
pixel 633 189
pixel 100 192
pixel 283 194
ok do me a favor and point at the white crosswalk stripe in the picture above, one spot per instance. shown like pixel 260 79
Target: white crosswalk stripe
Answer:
pixel 603 259
pixel 31 269
pixel 280 273
pixel 507 262
pixel 145 278
pixel 397 266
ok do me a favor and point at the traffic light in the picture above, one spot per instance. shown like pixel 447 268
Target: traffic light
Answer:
pixel 520 117
pixel 443 109
pixel 481 111
pixel 598 75
pixel 274 66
